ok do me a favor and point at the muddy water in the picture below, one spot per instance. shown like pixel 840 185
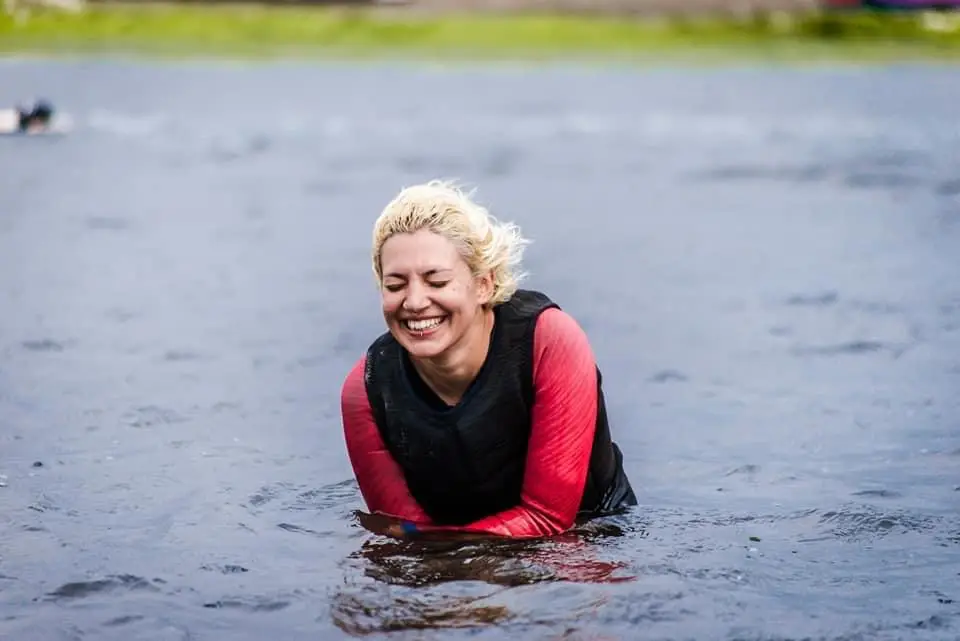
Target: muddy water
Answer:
pixel 767 262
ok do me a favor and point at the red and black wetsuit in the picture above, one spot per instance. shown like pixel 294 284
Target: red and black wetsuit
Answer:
pixel 525 451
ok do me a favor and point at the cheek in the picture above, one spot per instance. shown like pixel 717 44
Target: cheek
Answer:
pixel 390 302
pixel 460 298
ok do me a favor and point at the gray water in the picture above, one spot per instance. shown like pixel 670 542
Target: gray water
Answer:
pixel 767 261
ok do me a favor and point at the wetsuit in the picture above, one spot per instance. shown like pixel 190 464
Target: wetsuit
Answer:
pixel 525 451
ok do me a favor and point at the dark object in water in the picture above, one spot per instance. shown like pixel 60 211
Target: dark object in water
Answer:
pixel 39 118
pixel 40 114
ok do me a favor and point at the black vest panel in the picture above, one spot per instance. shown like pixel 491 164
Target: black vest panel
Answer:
pixel 467 461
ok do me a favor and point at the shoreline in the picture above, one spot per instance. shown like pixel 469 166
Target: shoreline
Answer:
pixel 259 31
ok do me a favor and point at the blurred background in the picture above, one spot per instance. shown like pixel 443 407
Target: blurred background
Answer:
pixel 753 209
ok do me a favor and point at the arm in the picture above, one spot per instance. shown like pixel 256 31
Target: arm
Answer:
pixel 381 480
pixel 563 424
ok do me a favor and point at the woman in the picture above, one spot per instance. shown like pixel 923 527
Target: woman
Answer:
pixel 481 409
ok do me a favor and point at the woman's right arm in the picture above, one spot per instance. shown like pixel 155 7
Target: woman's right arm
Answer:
pixel 380 478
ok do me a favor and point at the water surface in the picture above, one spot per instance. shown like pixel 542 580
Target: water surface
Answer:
pixel 767 262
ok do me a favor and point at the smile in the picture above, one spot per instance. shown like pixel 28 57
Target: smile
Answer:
pixel 424 326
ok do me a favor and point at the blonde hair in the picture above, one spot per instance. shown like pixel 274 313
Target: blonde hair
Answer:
pixel 486 244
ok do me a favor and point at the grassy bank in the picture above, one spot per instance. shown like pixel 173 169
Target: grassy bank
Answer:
pixel 258 31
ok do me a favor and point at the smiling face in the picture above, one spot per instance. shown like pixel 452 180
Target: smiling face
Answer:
pixel 431 300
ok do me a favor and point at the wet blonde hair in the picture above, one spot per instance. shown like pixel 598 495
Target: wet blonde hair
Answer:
pixel 486 244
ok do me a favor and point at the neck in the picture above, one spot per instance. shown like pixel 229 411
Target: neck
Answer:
pixel 451 373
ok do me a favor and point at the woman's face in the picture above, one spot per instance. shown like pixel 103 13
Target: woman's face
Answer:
pixel 430 298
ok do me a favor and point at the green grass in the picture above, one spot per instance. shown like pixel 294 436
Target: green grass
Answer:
pixel 251 31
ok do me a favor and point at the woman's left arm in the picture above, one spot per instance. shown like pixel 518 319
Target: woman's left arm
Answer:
pixel 563 425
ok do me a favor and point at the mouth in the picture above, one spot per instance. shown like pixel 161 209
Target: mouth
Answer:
pixel 423 327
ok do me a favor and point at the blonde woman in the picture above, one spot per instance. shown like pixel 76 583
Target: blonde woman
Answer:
pixel 481 409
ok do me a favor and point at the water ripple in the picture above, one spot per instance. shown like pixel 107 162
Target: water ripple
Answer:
pixel 765 263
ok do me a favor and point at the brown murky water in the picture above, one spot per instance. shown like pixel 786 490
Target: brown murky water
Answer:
pixel 767 261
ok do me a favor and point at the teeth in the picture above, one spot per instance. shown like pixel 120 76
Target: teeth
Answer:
pixel 421 325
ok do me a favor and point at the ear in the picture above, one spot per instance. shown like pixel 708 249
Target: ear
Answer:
pixel 484 284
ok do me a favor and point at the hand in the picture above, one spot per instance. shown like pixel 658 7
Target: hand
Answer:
pixel 382 524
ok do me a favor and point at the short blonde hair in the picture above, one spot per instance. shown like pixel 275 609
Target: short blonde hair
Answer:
pixel 486 244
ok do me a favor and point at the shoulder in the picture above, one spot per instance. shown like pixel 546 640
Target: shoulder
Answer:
pixel 553 328
pixel 354 386
pixel 555 325
pixel 559 336
pixel 383 346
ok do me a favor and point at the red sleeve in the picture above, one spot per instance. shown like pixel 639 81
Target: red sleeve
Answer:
pixel 563 424
pixel 381 480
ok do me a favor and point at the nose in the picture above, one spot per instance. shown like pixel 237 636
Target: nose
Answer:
pixel 416 299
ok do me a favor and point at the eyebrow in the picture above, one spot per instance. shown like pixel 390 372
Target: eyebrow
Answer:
pixel 430 272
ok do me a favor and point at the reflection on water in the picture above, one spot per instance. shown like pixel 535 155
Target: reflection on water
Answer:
pixel 483 575
pixel 569 557
pixel 765 260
